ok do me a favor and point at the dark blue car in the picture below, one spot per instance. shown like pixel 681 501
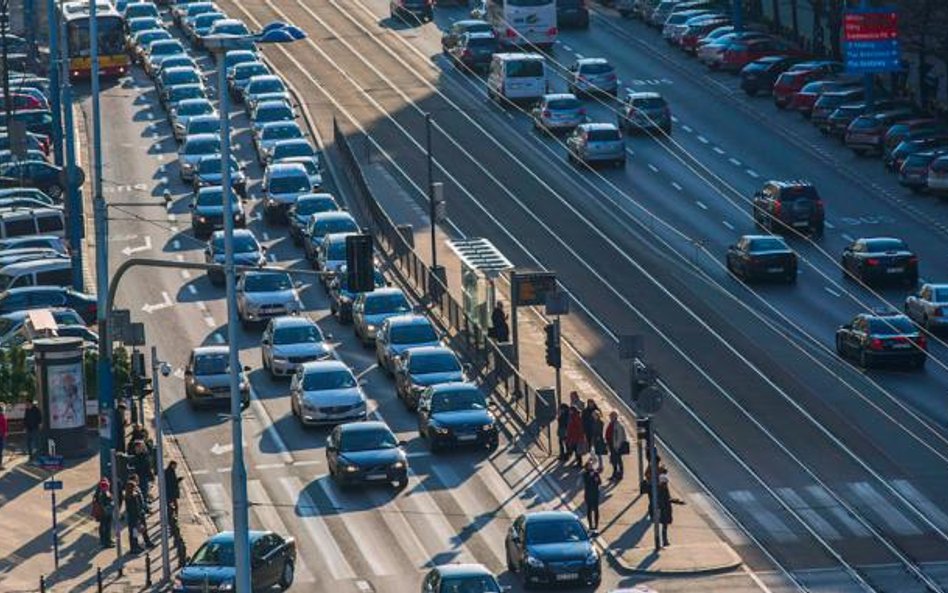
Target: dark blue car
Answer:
pixel 272 562
pixel 366 452
pixel 44 297
pixel 552 548
pixel 456 415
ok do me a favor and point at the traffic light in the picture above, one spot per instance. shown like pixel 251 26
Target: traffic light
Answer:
pixel 553 353
pixel 360 270
pixel 643 429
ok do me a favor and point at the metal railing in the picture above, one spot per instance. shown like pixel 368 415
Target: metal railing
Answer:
pixel 490 364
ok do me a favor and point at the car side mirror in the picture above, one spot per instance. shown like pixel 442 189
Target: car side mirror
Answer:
pixel 298 283
pixel 329 446
pixel 467 368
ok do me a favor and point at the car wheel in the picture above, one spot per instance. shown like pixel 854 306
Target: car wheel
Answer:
pixel 286 577
pixel 55 192
pixel 864 359
pixel 402 483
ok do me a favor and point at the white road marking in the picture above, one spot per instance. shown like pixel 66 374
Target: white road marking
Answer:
pixel 158 306
pixel 180 257
pixel 218 338
pixel 769 521
pixel 265 511
pixel 848 237
pixel 269 466
pixel 832 292
pixel 172 217
pixel 929 508
pixel 209 321
pixel 896 521
pixel 753 173
pixel 674 118
pixel 727 224
pixel 718 149
pixel 199 472
pixel 364 585
pixel 826 502
pixel 304 462
pixel 829 224
pixel 579 56
pixel 734 162
pixel 676 186
pixel 702 140
pixel 216 498
pixel 567 48
pixel 266 235
pixel 308 514
pixel 687 128
pixel 131 250
pixel 173 229
pixel 811 516
pixel 653 168
pixel 263 421
pixel 701 204
pixel 223 470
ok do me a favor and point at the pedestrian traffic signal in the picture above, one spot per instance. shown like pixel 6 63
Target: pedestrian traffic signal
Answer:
pixel 360 270
pixel 553 353
pixel 643 429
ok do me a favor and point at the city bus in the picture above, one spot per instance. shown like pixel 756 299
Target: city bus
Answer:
pixel 113 60
pixel 523 23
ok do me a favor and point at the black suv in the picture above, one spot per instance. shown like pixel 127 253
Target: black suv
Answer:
pixel 789 205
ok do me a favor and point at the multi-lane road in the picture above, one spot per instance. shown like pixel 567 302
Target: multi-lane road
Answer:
pixel 837 475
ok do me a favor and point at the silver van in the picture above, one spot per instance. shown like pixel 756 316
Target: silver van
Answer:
pixel 20 222
pixel 37 272
pixel 517 77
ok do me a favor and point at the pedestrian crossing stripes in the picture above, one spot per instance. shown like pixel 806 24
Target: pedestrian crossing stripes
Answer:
pixel 929 508
pixel 891 516
pixel 264 516
pixel 826 502
pixel 216 499
pixel 768 520
pixel 809 514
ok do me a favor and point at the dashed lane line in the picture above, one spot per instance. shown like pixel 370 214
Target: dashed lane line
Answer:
pixel 653 168
pixel 727 224
pixel 701 204
pixel 676 185
pixel 718 150
pixel 753 173
pixel 702 140
pixel 734 162
pixel 832 292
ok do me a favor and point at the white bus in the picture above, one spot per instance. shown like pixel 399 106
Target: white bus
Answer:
pixel 523 22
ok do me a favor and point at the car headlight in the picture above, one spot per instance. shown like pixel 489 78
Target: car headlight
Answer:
pixel 351 468
pixel 244 385
pixel 487 427
pixel 344 300
pixel 417 388
pixel 593 557
pixel 187 166
pixel 202 219
pixel 534 562
pixel 226 586
pixel 370 327
pixel 200 388
pixel 398 465
pixel 440 429
pixel 280 359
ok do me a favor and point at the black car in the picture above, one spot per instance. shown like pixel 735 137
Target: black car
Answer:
pixel 882 337
pixel 827 103
pixel 759 257
pixel 760 75
pixel 935 141
pixel 913 173
pixel 207 171
pixel 341 298
pixel 43 297
pixel 305 206
pixel 877 260
pixel 37 121
pixel 452 415
pixel 474 51
pixel 272 562
pixel 572 13
pixel 207 210
pixel 782 206
pixel 419 368
pixel 46 177
pixel 366 452
pixel 552 548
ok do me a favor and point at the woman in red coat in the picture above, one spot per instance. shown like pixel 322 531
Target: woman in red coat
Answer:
pixel 575 436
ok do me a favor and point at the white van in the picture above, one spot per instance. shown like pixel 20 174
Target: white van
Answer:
pixel 517 77
pixel 37 272
pixel 20 222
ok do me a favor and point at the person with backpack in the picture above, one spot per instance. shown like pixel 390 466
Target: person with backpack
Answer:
pixel 102 507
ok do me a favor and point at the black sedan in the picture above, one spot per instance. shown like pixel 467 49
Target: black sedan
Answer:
pixel 552 548
pixel 272 562
pixel 341 298
pixel 44 297
pixel 882 338
pixel 207 211
pixel 419 368
pixel 760 75
pixel 758 257
pixel 454 415
pixel 46 177
pixel 366 452
pixel 880 259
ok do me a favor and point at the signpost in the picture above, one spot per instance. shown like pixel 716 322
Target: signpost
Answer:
pixel 53 463
pixel 871 43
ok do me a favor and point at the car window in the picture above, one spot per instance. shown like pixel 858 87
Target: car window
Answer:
pixel 566 103
pixel 940 295
pixel 434 362
pixel 767 244
pixel 606 135
pixel 881 245
pixel 267 282
pixel 524 68
pixel 387 303
pixel 19 227
pixel 336 225
pixel 328 380
pixel 367 440
pixel 210 364
pixel 412 334
pixel 890 326
pixel 300 334
pixel 551 532
pixel 60 277
pixel 214 554
pixel 50 223
pixel 471 584
pixel 307 207
pixel 289 184
pixel 451 401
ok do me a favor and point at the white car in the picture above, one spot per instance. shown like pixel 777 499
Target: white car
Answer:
pixel 326 392
pixel 290 341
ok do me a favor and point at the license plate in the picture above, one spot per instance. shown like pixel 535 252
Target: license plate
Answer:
pixel 776 269
pixel 895 270
pixel 467 437
pixel 901 346
pixel 380 476
pixel 801 224
pixel 567 576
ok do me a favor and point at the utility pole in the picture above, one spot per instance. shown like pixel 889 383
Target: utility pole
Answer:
pixel 162 367
pixel 737 17
pixel 5 31
pixel 73 193
pixel 431 197
pixel 54 66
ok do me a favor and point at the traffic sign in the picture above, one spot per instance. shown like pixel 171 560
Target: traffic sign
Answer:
pixel 871 40
pixel 53 485
pixel 51 462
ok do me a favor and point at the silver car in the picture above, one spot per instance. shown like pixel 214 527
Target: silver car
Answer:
pixel 288 342
pixel 267 84
pixel 331 254
pixel 187 109
pixel 264 295
pixel 326 392
pixel 193 150
pixel 593 75
pixel 645 111
pixel 596 143
pixel 271 133
pixel 929 306
pixel 207 377
pixel 558 112
pixel 398 334
pixel 370 309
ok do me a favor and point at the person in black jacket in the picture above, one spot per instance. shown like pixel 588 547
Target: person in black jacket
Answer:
pixel 134 514
pixel 589 423
pixel 172 486
pixel 664 506
pixel 562 423
pixel 500 331
pixel 141 464
pixel 33 422
pixel 591 484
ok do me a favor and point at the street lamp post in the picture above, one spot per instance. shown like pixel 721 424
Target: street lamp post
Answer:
pixel 73 195
pixel 54 66
pixel 163 368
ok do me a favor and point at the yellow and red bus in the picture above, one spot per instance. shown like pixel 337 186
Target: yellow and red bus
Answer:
pixel 113 60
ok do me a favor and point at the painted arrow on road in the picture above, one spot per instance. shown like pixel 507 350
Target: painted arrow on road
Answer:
pixel 157 307
pixel 130 250
pixel 219 449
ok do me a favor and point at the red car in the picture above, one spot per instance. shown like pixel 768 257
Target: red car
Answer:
pixel 795 78
pixel 804 99
pixel 741 53
pixel 694 33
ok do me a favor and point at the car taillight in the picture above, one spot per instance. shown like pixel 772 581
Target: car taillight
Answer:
pixel 582 77
pixel 819 204
pixel 875 344
pixel 610 77
pixel 777 208
pixel 921 341
pixel 913 260
pixel 872 262
pixel 546 113
pixel 510 33
pixel 466 53
pixel 551 32
pixel 939 311
pixel 582 111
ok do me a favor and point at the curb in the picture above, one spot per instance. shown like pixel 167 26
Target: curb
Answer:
pixel 721 567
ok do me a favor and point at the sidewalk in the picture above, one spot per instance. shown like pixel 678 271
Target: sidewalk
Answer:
pixel 26 539
pixel 625 531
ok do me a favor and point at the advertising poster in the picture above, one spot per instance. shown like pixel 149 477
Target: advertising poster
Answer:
pixel 66 396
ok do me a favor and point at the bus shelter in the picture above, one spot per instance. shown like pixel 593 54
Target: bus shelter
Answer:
pixel 481 264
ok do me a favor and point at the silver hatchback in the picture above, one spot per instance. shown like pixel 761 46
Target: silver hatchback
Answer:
pixel 558 112
pixel 326 392
pixel 593 75
pixel 264 295
pixel 596 143
pixel 289 342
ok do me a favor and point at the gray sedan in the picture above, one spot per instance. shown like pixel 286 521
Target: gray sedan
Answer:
pixel 370 309
pixel 326 392
pixel 400 333
pixel 929 306
pixel 207 377
pixel 288 342
pixel 264 295
pixel 193 150
pixel 589 144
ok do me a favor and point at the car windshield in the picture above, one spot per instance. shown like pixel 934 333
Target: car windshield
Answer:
pixel 891 326
pixel 285 150
pixel 767 244
pixel 488 42
pixel 471 584
pixel 6 281
pixel 289 184
pixel 524 69
pixel 160 48
pixel 882 245
pixel 187 91
pixel 336 250
pixel 310 166
pixel 596 68
pixel 210 364
pixel 195 108
pixel 386 303
pixel 204 126
pixel 940 295
pixel 434 362
pixel 326 380
pixel 267 282
pixel 604 135
pixel 452 401
pixel 202 146
pixel 554 532
pixel 337 225
pixel 315 205
pixel 367 440
pixel 649 103
pixel 569 103
pixel 274 113
pixel 214 197
pixel 861 123
pixel 297 334
pixel 231 29
pixel 149 35
pixel 282 132
pixel 242 71
pixel 268 85
pixel 214 554
pixel 242 244
pixel 416 333
pixel 208 166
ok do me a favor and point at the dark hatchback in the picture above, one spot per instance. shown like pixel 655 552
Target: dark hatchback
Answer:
pixel 762 257
pixel 272 562
pixel 783 206
pixel 572 13
pixel 552 548
pixel 877 260
pixel 367 453
pixel 341 298
pixel 43 297
pixel 474 51
pixel 207 211
pixel 452 415
pixel 913 173
pixel 917 142
pixel 419 368
pixel 761 75
pixel 880 338
pixel 303 209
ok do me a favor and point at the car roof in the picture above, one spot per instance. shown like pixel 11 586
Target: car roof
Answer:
pixel 34 264
pixel 585 61
pixel 325 366
pixel 480 35
pixel 454 386
pixel 598 126
pixel 383 291
pixel 271 103
pixel 544 516
pixel 237 233
pixel 471 22
pixel 753 237
pixel 282 169
pixel 463 570
pixel 333 215
pixel 518 56
pixel 291 321
pixel 429 350
pixel 227 537
pixel 265 77
pixel 366 426
pixel 405 320
pixel 194 101
pixel 643 95
pixel 41 288
pixel 555 96
pixel 216 349
pixel 203 137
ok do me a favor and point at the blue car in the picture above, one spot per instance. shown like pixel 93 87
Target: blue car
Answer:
pixel 272 562
pixel 366 453
pixel 552 548
pixel 247 252
pixel 452 415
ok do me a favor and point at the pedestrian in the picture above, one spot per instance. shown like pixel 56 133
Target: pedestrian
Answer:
pixel 33 422
pixel 646 486
pixel 172 486
pixel 574 400
pixel 618 444
pixel 591 484
pixel 498 322
pixel 138 434
pixel 562 422
pixel 598 442
pixel 664 507
pixel 4 431
pixel 102 507
pixel 575 437
pixel 588 426
pixel 134 514
pixel 141 465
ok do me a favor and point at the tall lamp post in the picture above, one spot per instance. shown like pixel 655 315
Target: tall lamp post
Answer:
pixel 219 46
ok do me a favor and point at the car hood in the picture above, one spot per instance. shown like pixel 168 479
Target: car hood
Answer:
pixel 462 418
pixel 333 397
pixel 215 178
pixel 319 349
pixel 241 259
pixel 276 296
pixel 212 381
pixel 560 552
pixel 214 574
pixel 436 378
pixel 374 457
